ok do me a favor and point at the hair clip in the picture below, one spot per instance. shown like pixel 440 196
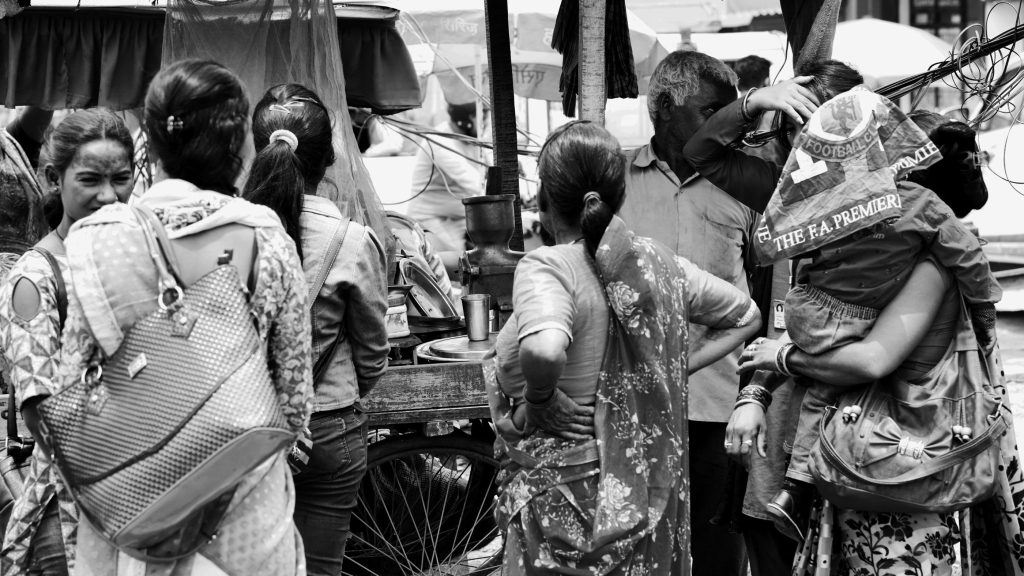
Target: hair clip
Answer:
pixel 174 124
pixel 286 107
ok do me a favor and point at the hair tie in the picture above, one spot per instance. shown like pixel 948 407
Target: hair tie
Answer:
pixel 591 197
pixel 285 136
pixel 174 124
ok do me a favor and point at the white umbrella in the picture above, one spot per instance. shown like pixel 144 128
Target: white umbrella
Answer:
pixel 884 51
pixel 457 32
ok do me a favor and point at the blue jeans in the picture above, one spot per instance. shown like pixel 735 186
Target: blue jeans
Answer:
pixel 47 557
pixel 326 491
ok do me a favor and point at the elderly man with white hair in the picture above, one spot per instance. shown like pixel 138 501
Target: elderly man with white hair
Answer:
pixel 669 201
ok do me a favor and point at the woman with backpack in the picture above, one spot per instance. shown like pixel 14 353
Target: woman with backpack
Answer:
pixel 344 267
pixel 210 289
pixel 87 163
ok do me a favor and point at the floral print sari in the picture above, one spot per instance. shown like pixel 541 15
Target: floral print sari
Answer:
pixel 990 536
pixel 616 504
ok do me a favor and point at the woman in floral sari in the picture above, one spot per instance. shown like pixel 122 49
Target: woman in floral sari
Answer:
pixel 587 384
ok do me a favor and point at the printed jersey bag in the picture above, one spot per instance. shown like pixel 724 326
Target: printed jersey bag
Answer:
pixel 176 417
pixel 924 445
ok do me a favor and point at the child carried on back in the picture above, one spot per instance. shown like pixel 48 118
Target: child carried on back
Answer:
pixel 846 211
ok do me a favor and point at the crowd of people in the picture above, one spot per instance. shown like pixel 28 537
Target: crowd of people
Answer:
pixel 630 390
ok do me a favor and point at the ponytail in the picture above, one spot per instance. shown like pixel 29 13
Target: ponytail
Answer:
pixel 292 130
pixel 276 181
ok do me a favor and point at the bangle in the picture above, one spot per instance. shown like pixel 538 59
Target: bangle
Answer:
pixel 743 107
pixel 754 393
pixel 749 401
pixel 782 357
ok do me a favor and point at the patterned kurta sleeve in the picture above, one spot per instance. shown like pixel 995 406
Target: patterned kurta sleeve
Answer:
pixel 279 301
pixel 31 345
pixel 714 302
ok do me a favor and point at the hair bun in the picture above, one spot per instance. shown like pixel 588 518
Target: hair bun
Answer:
pixel 591 197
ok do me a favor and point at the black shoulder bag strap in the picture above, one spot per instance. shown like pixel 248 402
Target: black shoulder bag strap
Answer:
pixel 62 315
pixel 58 280
pixel 331 255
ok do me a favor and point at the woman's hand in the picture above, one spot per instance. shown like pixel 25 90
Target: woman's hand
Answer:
pixel 746 429
pixel 760 355
pixel 560 416
pixel 790 97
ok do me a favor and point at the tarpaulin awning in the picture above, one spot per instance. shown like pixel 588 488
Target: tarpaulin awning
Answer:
pixel 105 56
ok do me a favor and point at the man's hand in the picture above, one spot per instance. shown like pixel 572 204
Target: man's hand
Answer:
pixel 790 97
pixel 560 416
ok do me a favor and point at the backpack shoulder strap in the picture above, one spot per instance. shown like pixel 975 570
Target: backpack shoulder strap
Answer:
pixel 58 280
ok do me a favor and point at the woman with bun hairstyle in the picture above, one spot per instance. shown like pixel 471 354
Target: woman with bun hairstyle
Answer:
pixel 197 120
pixel 344 265
pixel 587 384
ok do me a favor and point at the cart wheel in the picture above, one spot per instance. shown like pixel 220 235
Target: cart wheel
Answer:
pixel 426 506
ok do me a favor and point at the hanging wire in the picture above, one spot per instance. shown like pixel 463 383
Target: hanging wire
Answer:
pixel 989 72
pixel 417 133
pixel 420 35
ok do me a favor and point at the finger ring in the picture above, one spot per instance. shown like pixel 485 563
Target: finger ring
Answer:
pixel 728 444
pixel 747 442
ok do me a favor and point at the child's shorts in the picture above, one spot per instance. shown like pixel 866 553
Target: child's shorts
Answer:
pixel 817 322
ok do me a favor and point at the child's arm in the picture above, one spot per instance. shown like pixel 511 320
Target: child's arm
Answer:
pixel 959 251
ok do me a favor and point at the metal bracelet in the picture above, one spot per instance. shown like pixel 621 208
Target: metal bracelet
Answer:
pixel 743 107
pixel 754 393
pixel 749 401
pixel 782 356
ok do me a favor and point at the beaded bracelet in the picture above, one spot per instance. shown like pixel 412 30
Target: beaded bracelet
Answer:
pixel 743 108
pixel 753 393
pixel 782 356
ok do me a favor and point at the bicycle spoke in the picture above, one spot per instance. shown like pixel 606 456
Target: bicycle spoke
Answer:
pixel 448 532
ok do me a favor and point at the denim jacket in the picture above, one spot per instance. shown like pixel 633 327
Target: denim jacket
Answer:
pixel 350 306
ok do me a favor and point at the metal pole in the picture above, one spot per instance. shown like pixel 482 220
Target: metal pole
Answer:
pixel 503 112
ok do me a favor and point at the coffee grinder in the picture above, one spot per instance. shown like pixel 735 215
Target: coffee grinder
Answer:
pixel 490 266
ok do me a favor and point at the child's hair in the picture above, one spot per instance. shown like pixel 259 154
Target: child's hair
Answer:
pixel 282 174
pixel 578 158
pixel 830 78
pixel 63 142
pixel 196 116
pixel 957 178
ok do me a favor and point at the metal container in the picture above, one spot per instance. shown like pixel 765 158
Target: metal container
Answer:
pixel 477 308
pixel 456 349
pixel 396 318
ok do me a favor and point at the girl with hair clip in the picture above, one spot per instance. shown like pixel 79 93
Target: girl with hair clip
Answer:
pixel 344 267
pixel 587 383
pixel 86 161
pixel 196 120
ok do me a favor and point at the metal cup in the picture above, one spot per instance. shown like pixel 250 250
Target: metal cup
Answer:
pixel 477 308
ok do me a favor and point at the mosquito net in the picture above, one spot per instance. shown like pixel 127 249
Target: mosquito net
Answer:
pixel 270 42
